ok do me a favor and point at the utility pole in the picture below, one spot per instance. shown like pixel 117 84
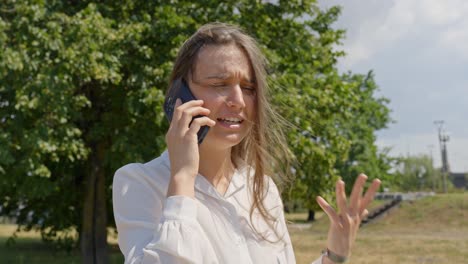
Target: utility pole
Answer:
pixel 443 139
pixel 430 147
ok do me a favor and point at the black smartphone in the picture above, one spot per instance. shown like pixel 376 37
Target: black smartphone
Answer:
pixel 181 90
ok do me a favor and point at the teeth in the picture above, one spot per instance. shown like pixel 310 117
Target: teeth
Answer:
pixel 232 120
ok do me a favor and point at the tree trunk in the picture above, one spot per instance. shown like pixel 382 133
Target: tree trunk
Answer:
pixel 93 236
pixel 311 217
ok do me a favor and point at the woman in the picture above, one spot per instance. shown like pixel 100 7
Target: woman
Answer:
pixel 214 202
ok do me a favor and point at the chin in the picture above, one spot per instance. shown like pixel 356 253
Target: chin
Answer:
pixel 225 141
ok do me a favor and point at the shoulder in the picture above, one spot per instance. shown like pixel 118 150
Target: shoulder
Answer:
pixel 271 191
pixel 271 186
pixel 155 173
pixel 272 195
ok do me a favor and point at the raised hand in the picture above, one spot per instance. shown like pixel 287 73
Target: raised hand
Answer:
pixel 344 223
pixel 182 144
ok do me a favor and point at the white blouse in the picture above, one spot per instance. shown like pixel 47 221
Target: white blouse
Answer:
pixel 208 229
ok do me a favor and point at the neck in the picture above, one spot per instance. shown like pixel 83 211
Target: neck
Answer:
pixel 216 166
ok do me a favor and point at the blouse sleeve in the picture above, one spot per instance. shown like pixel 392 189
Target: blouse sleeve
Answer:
pixel 154 230
pixel 288 251
pixel 318 261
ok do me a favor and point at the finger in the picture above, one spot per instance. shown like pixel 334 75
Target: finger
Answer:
pixel 192 112
pixel 181 107
pixel 364 214
pixel 328 209
pixel 186 117
pixel 178 103
pixel 175 115
pixel 369 196
pixel 357 193
pixel 197 123
pixel 340 196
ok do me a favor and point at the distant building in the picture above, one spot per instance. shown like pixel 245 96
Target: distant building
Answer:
pixel 459 180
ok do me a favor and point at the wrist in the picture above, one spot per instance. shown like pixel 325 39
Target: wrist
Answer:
pixel 181 185
pixel 326 260
pixel 330 257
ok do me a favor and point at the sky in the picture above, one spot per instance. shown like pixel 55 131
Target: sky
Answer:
pixel 418 50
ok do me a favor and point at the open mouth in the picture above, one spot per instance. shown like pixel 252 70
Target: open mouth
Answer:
pixel 231 120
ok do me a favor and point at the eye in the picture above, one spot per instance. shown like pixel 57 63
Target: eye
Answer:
pixel 249 90
pixel 218 85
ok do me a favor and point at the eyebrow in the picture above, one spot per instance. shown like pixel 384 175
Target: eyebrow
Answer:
pixel 225 77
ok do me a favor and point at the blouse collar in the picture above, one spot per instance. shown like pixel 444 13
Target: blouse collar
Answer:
pixel 237 183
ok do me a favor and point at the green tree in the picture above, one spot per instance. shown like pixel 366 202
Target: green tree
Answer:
pixel 80 96
pixel 369 115
pixel 81 92
pixel 312 95
pixel 337 132
pixel 416 173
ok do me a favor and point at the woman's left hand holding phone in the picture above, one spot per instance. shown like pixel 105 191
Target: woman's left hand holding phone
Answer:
pixel 182 144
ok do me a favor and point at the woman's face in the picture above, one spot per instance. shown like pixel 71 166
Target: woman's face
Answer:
pixel 224 79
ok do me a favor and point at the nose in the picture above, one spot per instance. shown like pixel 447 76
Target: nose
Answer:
pixel 235 97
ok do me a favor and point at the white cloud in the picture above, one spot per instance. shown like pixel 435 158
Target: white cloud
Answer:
pixel 380 24
pixel 418 50
pixel 456 39
pixel 377 26
pixel 377 33
pixel 436 12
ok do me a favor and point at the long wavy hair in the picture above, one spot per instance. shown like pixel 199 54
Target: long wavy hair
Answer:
pixel 264 149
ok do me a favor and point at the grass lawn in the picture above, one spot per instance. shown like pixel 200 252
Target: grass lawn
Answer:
pixel 29 249
pixel 431 230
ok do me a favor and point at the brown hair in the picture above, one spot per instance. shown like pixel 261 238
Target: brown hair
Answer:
pixel 264 149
